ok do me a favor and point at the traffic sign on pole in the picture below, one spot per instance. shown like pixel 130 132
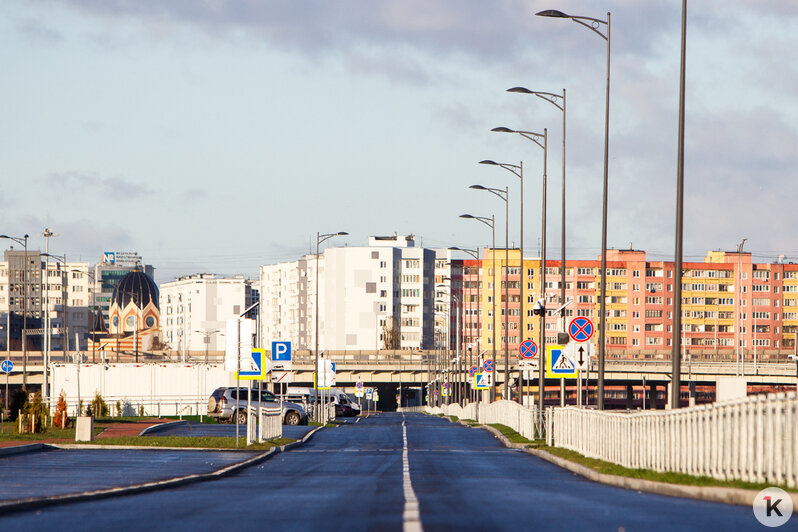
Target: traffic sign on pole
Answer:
pixel 580 354
pixel 581 329
pixel 558 365
pixel 7 366
pixel 528 349
pixel 256 367
pixel 472 371
pixel 483 381
pixel 487 366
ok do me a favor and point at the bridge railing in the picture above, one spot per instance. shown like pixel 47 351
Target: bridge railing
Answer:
pixel 753 439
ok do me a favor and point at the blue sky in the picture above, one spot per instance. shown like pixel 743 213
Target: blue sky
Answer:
pixel 215 136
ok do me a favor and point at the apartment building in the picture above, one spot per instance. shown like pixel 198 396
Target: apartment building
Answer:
pixel 727 301
pixel 379 296
pixel 194 309
pixel 48 292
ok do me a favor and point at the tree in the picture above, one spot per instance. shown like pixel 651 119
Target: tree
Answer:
pixel 390 333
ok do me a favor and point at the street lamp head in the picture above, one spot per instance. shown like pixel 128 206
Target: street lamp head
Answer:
pixel 522 90
pixel 342 233
pixel 503 130
pixel 478 187
pixel 466 216
pixel 552 13
pixel 488 161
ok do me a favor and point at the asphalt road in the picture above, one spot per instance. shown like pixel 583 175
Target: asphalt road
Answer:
pixel 55 472
pixel 350 478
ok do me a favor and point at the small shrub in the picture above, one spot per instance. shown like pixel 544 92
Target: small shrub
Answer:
pixel 141 411
pixel 61 417
pixel 98 406
pixel 35 410
pixel 118 408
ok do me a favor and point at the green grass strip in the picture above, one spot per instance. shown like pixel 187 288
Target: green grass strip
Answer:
pixel 609 468
pixel 509 433
pixel 188 442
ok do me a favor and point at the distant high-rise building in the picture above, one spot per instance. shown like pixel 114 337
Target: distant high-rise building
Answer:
pixel 380 296
pixel 107 274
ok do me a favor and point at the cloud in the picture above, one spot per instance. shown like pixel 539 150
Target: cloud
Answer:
pixel 38 33
pixel 113 188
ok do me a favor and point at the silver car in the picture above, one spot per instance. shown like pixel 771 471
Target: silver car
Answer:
pixel 225 404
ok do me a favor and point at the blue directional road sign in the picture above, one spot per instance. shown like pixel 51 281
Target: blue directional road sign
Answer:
pixel 483 381
pixel 581 329
pixel 281 351
pixel 258 366
pixel 6 366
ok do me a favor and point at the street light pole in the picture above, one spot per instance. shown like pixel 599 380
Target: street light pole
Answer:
pixel 553 98
pixel 738 306
pixel 474 253
pixel 319 239
pixel 593 24
pixel 490 222
pixel 504 195
pixel 676 356
pixel 24 241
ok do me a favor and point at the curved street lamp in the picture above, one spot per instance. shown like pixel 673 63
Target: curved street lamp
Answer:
pixel 23 240
pixel 593 24
pixel 490 222
pixel 504 195
pixel 319 239
pixel 554 99
pixel 475 254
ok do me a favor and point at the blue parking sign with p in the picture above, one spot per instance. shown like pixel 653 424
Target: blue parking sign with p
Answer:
pixel 281 351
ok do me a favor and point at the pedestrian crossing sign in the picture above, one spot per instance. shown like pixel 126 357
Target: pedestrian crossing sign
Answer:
pixel 483 381
pixel 558 365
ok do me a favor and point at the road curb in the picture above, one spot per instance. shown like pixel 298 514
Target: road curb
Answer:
pixel 736 496
pixel 161 426
pixel 7 507
pixel 24 448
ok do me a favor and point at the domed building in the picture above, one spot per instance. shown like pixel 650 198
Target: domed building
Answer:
pixel 134 317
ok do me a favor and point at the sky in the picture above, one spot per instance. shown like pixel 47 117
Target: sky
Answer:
pixel 217 135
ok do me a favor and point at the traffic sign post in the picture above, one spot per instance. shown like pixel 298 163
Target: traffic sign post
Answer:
pixel 487 366
pixel 6 367
pixel 483 381
pixel 256 367
pixel 581 329
pixel 528 349
pixel 558 365
pixel 580 354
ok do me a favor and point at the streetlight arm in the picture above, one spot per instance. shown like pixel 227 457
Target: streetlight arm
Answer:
pixel 590 23
pixel 486 221
pixel 495 191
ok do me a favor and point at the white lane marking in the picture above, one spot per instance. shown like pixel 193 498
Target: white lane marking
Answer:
pixel 411 519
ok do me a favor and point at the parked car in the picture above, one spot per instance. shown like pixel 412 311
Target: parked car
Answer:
pixel 344 407
pixel 226 403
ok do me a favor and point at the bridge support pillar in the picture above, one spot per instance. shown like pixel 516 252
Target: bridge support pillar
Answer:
pixel 629 397
pixel 652 396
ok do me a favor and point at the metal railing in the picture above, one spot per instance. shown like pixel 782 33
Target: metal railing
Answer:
pixel 522 419
pixel 264 424
pixel 753 439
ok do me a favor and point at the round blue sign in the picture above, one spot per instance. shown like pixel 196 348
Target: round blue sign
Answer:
pixel 7 366
pixel 581 329
pixel 488 366
pixel 528 349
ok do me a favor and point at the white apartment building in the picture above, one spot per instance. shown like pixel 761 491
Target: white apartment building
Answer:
pixel 363 293
pixel 195 309
pixel 46 292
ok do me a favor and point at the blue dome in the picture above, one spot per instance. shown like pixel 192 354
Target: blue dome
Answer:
pixel 138 287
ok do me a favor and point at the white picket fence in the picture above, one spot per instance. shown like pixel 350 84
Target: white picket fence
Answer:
pixel 522 419
pixel 753 439
pixel 270 424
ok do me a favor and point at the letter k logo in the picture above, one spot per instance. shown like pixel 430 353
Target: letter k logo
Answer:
pixel 772 506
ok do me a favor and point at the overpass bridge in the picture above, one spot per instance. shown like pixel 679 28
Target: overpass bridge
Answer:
pixel 420 367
